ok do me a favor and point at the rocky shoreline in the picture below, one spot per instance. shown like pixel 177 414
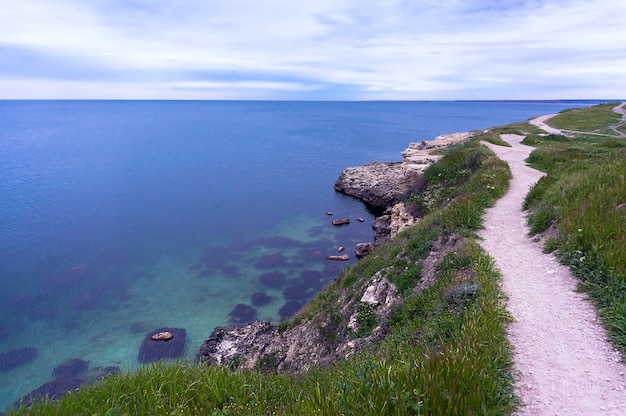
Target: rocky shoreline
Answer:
pixel 359 316
pixel 320 340
pixel 384 185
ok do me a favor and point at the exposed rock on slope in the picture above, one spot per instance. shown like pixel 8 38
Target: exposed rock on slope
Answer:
pixel 314 341
pixel 359 314
pixel 379 184
pixel 355 317
pixel 382 184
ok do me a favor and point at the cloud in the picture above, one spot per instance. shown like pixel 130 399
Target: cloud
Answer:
pixel 341 49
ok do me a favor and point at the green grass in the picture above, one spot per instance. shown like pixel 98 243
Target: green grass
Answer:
pixel 593 119
pixel 446 355
pixel 493 137
pixel 582 197
pixel 446 351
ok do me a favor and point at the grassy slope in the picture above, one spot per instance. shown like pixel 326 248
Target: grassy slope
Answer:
pixel 581 205
pixel 446 352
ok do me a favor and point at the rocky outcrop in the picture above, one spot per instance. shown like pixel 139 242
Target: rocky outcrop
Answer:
pixel 162 336
pixel 401 219
pixel 382 184
pixel 315 341
pixel 363 249
pixel 173 347
pixel 385 184
pixel 420 155
pixel 357 315
pixel 382 228
pixel 379 184
pixel 341 257
pixel 393 221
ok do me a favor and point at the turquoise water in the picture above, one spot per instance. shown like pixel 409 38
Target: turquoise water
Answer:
pixel 120 217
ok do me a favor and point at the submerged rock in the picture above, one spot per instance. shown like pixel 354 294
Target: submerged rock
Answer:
pixel 97 374
pixel 297 292
pixel 215 257
pixel 74 367
pixel 154 350
pixel 17 358
pixel 311 276
pixel 260 299
pixel 289 309
pixel 278 242
pixel 242 313
pixel 273 279
pixel 54 389
pixel 68 377
pixel 270 261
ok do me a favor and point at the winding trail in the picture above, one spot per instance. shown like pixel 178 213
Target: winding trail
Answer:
pixel 562 361
pixel 541 123
pixel 619 109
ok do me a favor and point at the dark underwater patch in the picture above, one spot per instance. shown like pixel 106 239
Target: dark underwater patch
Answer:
pixel 155 350
pixel 271 261
pixel 273 279
pixel 289 309
pixel 260 299
pixel 242 314
pixel 17 358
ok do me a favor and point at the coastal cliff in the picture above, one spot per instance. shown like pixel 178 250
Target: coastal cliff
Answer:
pixel 359 316
pixel 385 185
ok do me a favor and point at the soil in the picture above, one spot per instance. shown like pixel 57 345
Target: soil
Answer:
pixel 563 363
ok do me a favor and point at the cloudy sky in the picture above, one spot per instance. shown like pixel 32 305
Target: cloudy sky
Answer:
pixel 313 49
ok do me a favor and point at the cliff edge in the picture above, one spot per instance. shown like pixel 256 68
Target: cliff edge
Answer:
pixel 361 313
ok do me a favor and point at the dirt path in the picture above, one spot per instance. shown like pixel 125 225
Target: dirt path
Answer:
pixel 541 123
pixel 563 364
pixel 619 109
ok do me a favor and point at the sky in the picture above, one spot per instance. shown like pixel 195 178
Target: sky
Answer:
pixel 313 50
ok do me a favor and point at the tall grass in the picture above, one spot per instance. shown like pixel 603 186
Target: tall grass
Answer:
pixel 446 352
pixel 583 197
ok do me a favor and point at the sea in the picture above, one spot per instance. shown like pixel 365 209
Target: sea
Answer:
pixel 118 218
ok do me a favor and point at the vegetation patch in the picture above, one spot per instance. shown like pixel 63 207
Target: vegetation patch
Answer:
pixel 365 319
